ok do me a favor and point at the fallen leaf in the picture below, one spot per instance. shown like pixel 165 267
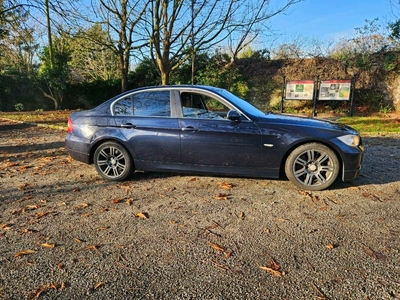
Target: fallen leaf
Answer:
pixel 141 215
pixel 100 284
pixel 92 247
pixel 129 201
pixel 225 185
pixel 267 230
pixel 27 230
pixel 217 247
pixel 221 196
pixel 42 214
pixel 103 228
pixel 241 215
pixel 48 245
pixel 304 193
pixel 82 205
pixel 11 164
pixel 330 246
pixel 5 226
pixel 193 179
pixel 274 265
pixel 282 219
pixel 25 252
pixel 78 240
pixel 60 266
pixel 35 294
pixel 273 272
pixel 274 268
pixel 115 201
pixel 228 254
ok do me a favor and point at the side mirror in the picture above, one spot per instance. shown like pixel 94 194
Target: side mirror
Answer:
pixel 233 115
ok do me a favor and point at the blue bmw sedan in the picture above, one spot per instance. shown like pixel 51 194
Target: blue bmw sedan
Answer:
pixel 208 130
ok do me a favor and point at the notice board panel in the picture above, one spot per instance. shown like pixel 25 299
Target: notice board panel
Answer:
pixel 299 90
pixel 334 90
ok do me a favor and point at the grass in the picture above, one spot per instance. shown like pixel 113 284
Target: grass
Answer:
pixel 52 118
pixel 373 124
pixel 365 125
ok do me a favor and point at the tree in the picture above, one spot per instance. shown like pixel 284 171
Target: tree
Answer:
pixel 175 26
pixel 121 20
pixel 359 50
pixel 55 74
pixel 90 59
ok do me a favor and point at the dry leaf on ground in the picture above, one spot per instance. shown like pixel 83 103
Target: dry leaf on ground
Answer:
pixel 141 215
pixel 221 196
pixel 274 268
pixel 273 272
pixel 25 252
pixel 217 247
pixel 100 284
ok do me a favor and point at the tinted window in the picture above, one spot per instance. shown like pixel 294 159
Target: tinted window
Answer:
pixel 152 104
pixel 123 107
pixel 201 106
pixel 146 104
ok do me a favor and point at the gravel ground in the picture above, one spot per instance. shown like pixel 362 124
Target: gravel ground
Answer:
pixel 67 234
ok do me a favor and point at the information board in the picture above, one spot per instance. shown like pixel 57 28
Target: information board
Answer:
pixel 334 90
pixel 299 90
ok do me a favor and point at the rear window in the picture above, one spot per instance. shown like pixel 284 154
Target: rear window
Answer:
pixel 145 104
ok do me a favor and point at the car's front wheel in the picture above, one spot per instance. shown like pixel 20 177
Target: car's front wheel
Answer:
pixel 312 167
pixel 112 161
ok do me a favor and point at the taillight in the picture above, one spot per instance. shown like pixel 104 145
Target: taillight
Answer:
pixel 69 125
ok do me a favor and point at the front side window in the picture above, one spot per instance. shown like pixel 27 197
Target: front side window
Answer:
pixel 145 104
pixel 196 105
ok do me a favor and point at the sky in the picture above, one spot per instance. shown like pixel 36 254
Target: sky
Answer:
pixel 333 19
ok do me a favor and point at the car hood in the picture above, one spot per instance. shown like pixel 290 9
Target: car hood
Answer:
pixel 304 122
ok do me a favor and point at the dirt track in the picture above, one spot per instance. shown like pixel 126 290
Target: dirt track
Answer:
pixel 67 234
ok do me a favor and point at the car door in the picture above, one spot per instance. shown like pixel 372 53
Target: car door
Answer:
pixel 148 122
pixel 209 139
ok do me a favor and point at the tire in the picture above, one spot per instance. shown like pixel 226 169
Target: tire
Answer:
pixel 312 167
pixel 112 161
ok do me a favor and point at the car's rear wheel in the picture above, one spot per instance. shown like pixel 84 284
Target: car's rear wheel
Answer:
pixel 312 167
pixel 112 161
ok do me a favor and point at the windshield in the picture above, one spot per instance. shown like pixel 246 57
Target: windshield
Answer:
pixel 240 103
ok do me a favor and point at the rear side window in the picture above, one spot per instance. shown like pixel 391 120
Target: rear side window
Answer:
pixel 145 104
pixel 123 107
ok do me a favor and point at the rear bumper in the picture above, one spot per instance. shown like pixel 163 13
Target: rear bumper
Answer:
pixel 77 149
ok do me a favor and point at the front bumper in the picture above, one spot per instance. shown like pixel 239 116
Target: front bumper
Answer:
pixel 352 163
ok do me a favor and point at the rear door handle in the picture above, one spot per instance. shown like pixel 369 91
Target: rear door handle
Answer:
pixel 190 128
pixel 128 126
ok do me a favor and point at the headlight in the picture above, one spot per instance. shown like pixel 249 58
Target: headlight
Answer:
pixel 350 140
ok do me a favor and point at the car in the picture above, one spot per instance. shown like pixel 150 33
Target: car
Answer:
pixel 208 130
